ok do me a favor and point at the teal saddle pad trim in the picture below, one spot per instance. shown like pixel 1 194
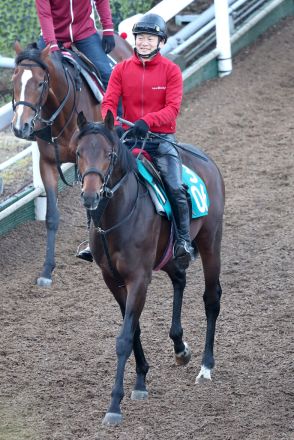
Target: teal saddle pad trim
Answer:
pixel 196 189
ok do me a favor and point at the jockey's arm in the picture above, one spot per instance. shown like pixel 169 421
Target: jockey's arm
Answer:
pixel 46 23
pixel 104 12
pixel 113 93
pixel 174 93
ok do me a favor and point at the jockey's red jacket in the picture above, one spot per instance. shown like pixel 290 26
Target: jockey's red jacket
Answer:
pixel 72 20
pixel 151 91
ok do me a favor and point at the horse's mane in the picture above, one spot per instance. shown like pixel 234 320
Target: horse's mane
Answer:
pixel 33 53
pixel 125 157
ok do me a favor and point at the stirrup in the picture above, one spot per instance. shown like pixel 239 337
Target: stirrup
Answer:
pixel 84 254
pixel 183 253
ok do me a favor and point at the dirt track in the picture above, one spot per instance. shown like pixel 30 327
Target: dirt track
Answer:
pixel 58 346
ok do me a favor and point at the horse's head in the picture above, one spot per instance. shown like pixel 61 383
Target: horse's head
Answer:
pixel 96 156
pixel 30 88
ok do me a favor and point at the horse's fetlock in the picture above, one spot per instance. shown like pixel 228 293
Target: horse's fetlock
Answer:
pixel 176 334
pixel 52 225
pixel 208 361
pixel 143 369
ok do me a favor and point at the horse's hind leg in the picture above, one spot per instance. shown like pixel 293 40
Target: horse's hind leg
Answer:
pixel 212 295
pixel 181 348
pixel 139 392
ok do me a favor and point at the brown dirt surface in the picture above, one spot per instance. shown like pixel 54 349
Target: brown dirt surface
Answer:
pixel 58 345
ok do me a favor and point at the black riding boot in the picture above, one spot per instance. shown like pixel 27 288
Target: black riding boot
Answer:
pixel 85 254
pixel 168 163
pixel 183 251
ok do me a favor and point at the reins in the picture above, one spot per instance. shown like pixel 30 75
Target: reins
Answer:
pixel 151 134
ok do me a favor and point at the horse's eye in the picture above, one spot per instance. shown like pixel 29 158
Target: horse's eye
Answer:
pixel 78 154
pixel 41 84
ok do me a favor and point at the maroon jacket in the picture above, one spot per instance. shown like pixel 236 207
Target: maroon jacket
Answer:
pixel 151 91
pixel 72 20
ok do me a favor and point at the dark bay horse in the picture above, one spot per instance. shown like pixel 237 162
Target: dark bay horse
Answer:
pixel 46 103
pixel 128 239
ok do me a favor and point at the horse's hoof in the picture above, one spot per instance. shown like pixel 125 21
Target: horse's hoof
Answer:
pixel 204 375
pixel 184 357
pixel 112 419
pixel 139 395
pixel 44 282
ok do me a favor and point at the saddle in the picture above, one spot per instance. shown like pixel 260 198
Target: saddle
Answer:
pixel 197 195
pixel 148 164
pixel 85 68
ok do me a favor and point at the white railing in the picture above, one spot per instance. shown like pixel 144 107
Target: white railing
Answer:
pixel 167 9
pixel 6 62
pixel 6 114
pixel 38 193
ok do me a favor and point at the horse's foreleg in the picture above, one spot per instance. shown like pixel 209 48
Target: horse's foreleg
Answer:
pixel 50 179
pixel 139 392
pixel 124 345
pixel 181 348
pixel 211 297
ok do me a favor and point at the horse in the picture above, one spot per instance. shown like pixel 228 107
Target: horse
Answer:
pixel 128 239
pixel 46 100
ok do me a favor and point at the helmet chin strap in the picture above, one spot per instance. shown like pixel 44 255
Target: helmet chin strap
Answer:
pixel 149 55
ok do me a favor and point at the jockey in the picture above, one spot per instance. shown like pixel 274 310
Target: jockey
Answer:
pixel 151 88
pixel 68 21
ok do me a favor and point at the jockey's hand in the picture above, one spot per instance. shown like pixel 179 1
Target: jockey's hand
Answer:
pixel 108 43
pixel 140 128
pixel 119 130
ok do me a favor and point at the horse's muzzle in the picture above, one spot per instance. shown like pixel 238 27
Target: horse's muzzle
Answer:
pixel 90 200
pixel 24 132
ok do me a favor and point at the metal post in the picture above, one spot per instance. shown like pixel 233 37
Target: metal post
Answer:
pixel 223 40
pixel 40 201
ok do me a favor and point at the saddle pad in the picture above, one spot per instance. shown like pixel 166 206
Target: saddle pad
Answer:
pixel 196 189
pixel 158 191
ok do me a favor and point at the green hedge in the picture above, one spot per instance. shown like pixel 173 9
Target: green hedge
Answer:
pixel 18 19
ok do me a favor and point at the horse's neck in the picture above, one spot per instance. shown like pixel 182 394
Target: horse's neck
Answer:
pixel 60 87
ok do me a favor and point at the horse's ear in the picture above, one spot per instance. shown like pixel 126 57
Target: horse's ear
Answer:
pixel 82 121
pixel 109 120
pixel 17 47
pixel 45 52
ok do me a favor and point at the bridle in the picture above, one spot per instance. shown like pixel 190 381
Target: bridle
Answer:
pixel 105 191
pixel 36 108
pixel 45 132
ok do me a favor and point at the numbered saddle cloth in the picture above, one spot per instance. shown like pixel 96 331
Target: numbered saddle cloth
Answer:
pixel 199 200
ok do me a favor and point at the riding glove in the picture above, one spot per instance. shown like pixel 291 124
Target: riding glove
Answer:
pixel 119 131
pixel 140 128
pixel 108 43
